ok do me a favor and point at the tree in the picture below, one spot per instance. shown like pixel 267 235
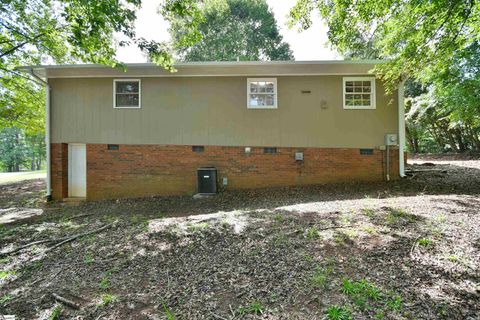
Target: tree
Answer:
pixel 35 150
pixel 12 149
pixel 84 30
pixel 418 37
pixel 22 104
pixel 447 115
pixel 231 30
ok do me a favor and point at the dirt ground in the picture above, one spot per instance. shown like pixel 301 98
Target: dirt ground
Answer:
pixel 407 249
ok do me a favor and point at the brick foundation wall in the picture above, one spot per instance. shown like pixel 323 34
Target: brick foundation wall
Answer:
pixel 59 170
pixel 144 170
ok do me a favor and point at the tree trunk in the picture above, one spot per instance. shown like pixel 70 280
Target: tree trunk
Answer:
pixel 410 139
pixel 437 137
pixel 415 145
pixel 451 140
pixel 32 163
pixel 474 137
pixel 461 142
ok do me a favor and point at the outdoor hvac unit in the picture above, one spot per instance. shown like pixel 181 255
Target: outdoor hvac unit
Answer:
pixel 207 180
pixel 391 139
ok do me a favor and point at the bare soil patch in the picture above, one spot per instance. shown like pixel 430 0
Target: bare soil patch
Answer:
pixel 407 249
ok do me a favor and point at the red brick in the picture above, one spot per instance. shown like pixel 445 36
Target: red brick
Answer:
pixel 144 170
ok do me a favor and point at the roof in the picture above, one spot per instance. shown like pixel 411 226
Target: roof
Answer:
pixel 216 68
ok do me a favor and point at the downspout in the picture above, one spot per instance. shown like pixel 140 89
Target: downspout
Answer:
pixel 47 130
pixel 401 128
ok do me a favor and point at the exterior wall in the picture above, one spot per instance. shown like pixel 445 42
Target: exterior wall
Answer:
pixel 212 111
pixel 143 170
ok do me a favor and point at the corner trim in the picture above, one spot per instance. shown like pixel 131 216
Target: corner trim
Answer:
pixel 401 128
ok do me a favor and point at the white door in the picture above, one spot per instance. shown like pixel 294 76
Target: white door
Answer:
pixel 77 170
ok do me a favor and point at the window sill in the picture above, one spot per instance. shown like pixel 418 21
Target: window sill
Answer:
pixel 139 107
pixel 262 107
pixel 358 108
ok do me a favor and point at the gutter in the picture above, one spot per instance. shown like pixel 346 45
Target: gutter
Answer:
pixel 47 129
pixel 212 64
pixel 401 128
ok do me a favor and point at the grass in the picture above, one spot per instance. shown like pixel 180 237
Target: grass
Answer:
pixel 108 298
pixel 453 258
pixel 5 274
pixel 395 216
pixel 280 240
pixel 369 213
pixel 56 312
pixel 351 233
pixel 312 233
pixel 341 238
pixel 5 298
pixel 88 259
pixel 7 232
pixel 338 313
pixel 320 277
pixel 253 308
pixel 425 242
pixel 168 313
pixel 279 217
pixel 12 177
pixel 274 297
pixel 198 227
pixel 366 295
pixel 361 291
pixel 308 258
pixel 5 260
pixel 370 230
pixel 104 284
pixel 395 302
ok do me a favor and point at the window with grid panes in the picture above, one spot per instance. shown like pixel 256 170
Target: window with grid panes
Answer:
pixel 262 93
pixel 359 93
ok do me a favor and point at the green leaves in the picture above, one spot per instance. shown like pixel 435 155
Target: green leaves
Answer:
pixel 230 30
pixel 416 36
pixel 447 117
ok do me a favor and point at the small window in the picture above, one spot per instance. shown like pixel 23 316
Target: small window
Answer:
pixel 262 93
pixel 198 148
pixel 126 93
pixel 269 150
pixel 113 147
pixel 359 93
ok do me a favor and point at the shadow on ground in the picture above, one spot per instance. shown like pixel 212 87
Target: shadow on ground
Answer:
pixel 409 249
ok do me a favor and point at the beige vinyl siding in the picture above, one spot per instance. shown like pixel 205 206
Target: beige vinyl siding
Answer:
pixel 212 111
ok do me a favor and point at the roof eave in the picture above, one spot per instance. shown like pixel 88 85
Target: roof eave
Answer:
pixel 213 68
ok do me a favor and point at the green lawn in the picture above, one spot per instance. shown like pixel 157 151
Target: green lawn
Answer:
pixel 9 177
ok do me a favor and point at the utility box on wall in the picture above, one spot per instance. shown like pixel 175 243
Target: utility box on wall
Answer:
pixel 391 139
pixel 207 180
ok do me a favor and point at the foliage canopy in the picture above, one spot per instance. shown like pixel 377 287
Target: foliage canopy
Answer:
pixel 418 37
pixel 231 30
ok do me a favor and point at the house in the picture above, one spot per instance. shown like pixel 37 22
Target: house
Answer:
pixel 146 131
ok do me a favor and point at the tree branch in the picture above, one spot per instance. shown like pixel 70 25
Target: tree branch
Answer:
pixel 18 46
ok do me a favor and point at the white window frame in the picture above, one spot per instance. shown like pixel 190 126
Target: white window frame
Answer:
pixel 115 93
pixel 274 80
pixel 372 93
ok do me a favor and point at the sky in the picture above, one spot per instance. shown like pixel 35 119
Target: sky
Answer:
pixel 306 45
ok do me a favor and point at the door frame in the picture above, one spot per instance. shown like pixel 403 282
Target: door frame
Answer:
pixel 70 168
